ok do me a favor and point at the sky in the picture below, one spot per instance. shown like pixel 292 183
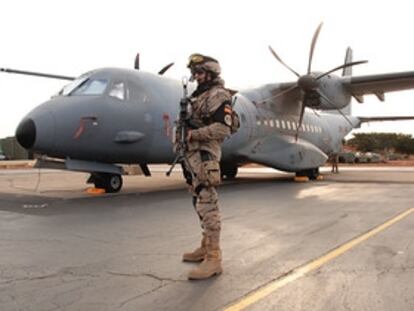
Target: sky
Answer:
pixel 72 37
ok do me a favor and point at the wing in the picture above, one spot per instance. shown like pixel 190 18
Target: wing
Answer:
pixel 37 74
pixel 379 84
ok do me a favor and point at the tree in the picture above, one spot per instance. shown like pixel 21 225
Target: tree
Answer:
pixel 378 142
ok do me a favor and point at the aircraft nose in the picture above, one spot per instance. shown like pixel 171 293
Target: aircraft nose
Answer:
pixel 26 133
pixel 36 131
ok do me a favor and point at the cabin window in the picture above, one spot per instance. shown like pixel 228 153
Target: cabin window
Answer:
pixel 283 124
pixel 91 87
pixel 288 125
pixel 272 123
pixel 258 120
pixel 118 90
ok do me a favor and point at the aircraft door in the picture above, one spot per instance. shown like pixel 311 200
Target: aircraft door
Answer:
pixel 128 104
pixel 163 110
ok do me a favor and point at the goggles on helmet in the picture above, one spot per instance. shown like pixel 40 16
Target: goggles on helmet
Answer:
pixel 195 59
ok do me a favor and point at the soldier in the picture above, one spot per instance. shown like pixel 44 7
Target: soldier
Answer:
pixel 210 123
pixel 334 160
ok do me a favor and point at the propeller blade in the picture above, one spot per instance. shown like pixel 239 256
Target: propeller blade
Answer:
pixel 282 62
pixel 333 106
pixel 165 68
pixel 340 67
pixel 280 94
pixel 136 63
pixel 316 113
pixel 37 74
pixel 302 112
pixel 314 39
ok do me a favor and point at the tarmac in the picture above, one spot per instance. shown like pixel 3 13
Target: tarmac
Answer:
pixel 343 243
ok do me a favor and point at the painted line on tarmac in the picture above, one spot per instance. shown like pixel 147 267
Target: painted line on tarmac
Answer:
pixel 267 289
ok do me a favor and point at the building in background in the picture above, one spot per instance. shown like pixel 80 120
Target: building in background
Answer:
pixel 12 150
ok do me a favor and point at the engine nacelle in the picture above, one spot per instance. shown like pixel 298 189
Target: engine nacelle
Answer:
pixel 332 87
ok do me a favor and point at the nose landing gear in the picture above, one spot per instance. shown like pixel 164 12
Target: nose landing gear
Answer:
pixel 110 182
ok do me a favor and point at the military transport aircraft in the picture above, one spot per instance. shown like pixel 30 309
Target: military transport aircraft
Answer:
pixel 107 117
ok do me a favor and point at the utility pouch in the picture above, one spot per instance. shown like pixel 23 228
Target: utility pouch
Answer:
pixel 210 173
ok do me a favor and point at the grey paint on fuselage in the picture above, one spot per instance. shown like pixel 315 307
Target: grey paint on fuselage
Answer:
pixel 149 111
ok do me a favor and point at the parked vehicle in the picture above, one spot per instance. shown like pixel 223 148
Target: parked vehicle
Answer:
pixel 347 157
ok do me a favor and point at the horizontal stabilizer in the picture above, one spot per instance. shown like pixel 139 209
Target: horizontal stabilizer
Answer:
pixel 378 119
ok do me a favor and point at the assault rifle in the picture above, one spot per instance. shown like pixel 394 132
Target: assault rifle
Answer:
pixel 182 131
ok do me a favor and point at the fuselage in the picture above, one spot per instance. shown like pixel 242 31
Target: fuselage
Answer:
pixel 128 116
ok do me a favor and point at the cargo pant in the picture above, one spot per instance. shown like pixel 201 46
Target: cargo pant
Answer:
pixel 205 199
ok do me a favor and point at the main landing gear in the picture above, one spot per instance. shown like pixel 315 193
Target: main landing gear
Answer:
pixel 309 174
pixel 110 182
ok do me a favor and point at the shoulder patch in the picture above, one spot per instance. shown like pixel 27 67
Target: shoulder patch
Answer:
pixel 224 114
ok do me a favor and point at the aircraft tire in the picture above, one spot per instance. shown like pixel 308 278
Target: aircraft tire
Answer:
pixel 311 173
pixel 112 183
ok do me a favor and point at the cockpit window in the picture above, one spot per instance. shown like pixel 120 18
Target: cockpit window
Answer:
pixel 71 86
pixel 118 90
pixel 91 87
pixel 67 89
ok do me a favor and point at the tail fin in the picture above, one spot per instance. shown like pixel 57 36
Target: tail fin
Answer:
pixel 347 71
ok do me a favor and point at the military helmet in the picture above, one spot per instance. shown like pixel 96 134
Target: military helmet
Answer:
pixel 207 63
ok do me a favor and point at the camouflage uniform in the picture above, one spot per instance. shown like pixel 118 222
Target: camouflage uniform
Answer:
pixel 211 112
pixel 207 138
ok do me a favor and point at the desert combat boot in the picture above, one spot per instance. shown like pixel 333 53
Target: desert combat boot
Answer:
pixel 210 266
pixel 198 254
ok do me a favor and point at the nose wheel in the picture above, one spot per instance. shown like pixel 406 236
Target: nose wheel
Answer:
pixel 110 182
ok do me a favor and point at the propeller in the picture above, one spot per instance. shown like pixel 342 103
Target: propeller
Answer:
pixel 161 72
pixel 136 63
pixel 309 83
pixel 165 68
pixel 37 74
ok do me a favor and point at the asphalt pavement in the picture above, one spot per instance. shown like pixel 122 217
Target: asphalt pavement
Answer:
pixel 344 243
